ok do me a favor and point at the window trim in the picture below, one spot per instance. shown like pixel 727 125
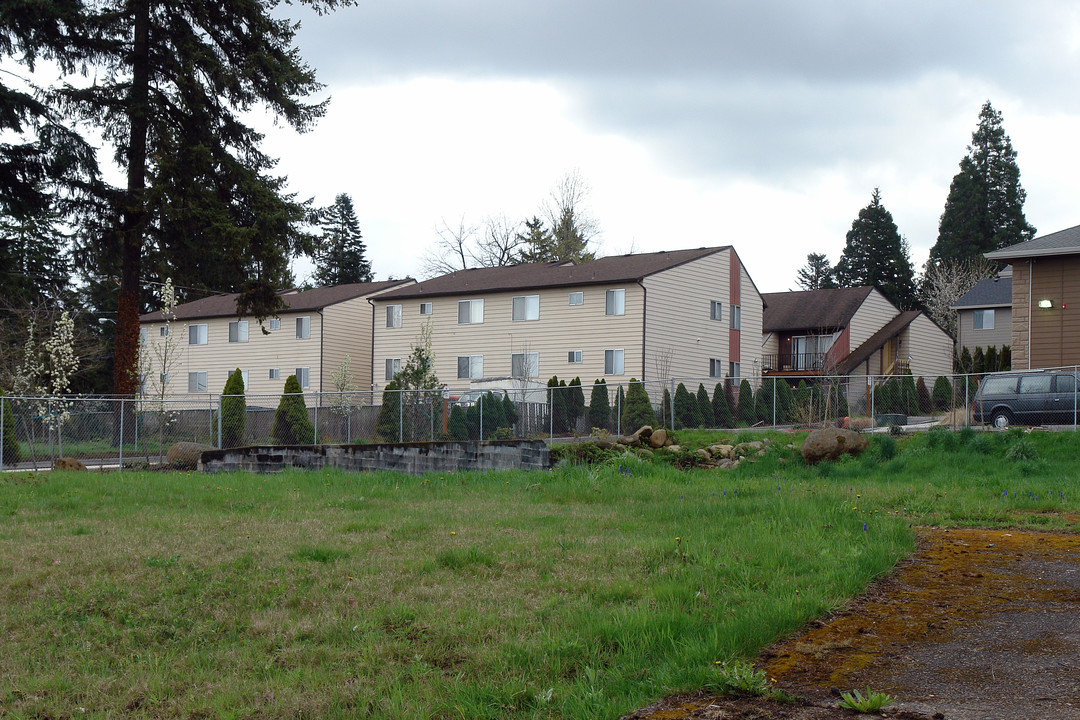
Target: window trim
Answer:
pixel 716 310
pixel 428 306
pixel 615 302
pixel 472 368
pixel 275 323
pixel 574 357
pixel 527 303
pixel 613 368
pixel 198 376
pixel 716 368
pixel 238 331
pixel 735 316
pixel 979 318
pixel 472 304
pixel 303 376
pixel 530 361
pixel 734 370
pixel 393 367
pixel 393 316
pixel 580 295
pixel 303 327
pixel 275 373
pixel 198 332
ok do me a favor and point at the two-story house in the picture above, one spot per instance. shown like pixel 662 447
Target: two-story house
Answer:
pixel 681 313
pixel 309 338
pixel 984 314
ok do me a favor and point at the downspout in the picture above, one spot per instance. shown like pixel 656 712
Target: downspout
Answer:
pixel 644 312
pixel 371 302
pixel 1029 314
pixel 322 339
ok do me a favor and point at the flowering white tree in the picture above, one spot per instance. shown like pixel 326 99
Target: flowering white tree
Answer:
pixel 341 405
pixel 45 374
pixel 158 358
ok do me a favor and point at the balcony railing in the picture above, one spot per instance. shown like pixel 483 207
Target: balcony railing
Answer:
pixel 799 362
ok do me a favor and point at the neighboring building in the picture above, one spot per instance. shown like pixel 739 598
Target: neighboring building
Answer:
pixel 849 331
pixel 1045 283
pixel 310 338
pixel 984 314
pixel 654 316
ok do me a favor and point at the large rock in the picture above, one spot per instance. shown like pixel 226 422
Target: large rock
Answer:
pixel 644 432
pixel 187 454
pixel 66 463
pixel 658 438
pixel 831 443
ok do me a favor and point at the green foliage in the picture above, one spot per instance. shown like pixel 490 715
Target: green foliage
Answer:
pixel 990 361
pixel 785 402
pixel 667 418
pixel 620 403
pixel 923 393
pixel 763 402
pixel 1005 358
pixel 340 256
pixel 472 421
pixel 10 445
pixel 575 406
pixel 638 410
pixel 721 409
pixel 739 678
pixel 746 413
pixel 391 426
pixel 455 425
pixel 234 411
pixel 704 407
pixel 909 395
pixel 559 404
pixel 510 411
pixel 871 702
pixel 292 426
pixel 732 403
pixel 978 361
pixel 886 447
pixel 876 255
pixel 985 207
pixel 816 274
pixel 599 407
pixel 686 414
pixel 1022 449
pixel 942 396
pixel 491 411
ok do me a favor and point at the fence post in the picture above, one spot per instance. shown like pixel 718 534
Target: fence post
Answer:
pixel 318 401
pixel 2 437
pixel 774 403
pixel 873 411
pixel 480 404
pixel 121 433
pixel 1074 401
pixel 551 414
pixel 220 401
pixel 671 410
pixel 618 413
pixel 400 416
pixel 967 416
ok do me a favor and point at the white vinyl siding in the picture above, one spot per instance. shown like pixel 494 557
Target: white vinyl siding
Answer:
pixel 238 331
pixel 525 364
pixel 470 312
pixel 526 307
pixel 197 334
pixel 303 327
pixel 393 366
pixel 393 316
pixel 615 302
pixel 470 367
pixel 577 298
pixel 197 382
pixel 716 310
pixel 613 362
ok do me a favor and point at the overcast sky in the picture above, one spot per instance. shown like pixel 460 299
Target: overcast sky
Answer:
pixel 762 125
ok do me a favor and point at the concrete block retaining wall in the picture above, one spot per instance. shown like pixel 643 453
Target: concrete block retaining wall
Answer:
pixel 416 458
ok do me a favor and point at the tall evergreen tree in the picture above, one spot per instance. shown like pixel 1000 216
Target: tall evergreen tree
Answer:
pixel 340 255
pixel 985 207
pixel 35 265
pixel 705 408
pixel 569 229
pixel 817 273
pixel 876 255
pixel 599 406
pixel 721 409
pixel 170 87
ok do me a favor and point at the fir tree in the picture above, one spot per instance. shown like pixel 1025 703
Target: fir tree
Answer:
pixel 638 410
pixel 558 402
pixel 942 395
pixel 747 412
pixel 575 407
pixel 763 403
pixel 1005 358
pixel 978 361
pixel 785 402
pixel 510 412
pixel 985 207
pixel 991 361
pixel 391 426
pixel 234 411
pixel 667 415
pixel 803 412
pixel 729 395
pixel 909 393
pixel 491 412
pixel 705 409
pixel 292 426
pixel 340 256
pixel 817 273
pixel 926 405
pixel 721 409
pixel 599 408
pixel 620 403
pixel 876 255
pixel 456 424
pixel 686 414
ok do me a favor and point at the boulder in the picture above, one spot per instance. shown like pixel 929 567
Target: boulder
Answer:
pixel 658 438
pixel 644 432
pixel 831 443
pixel 187 454
pixel 724 451
pixel 703 454
pixel 604 444
pixel 66 463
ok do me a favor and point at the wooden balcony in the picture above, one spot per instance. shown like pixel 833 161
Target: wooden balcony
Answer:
pixel 794 363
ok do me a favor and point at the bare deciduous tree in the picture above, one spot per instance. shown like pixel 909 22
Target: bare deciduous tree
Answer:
pixel 943 283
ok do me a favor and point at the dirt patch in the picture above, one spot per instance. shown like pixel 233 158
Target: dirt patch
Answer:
pixel 978 624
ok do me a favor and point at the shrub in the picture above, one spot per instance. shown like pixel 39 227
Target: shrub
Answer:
pixel 963 363
pixel 991 362
pixel 10 447
pixel 292 426
pixel 456 426
pixel 558 402
pixel 391 425
pixel 909 394
pixel 838 403
pixel 721 410
pixel 620 403
pixel 599 407
pixel 924 402
pixel 510 412
pixel 785 401
pixel 234 411
pixel 575 403
pixel 978 361
pixel 732 403
pixel 638 409
pixel 801 409
pixel 763 403
pixel 491 412
pixel 667 420
pixel 704 406
pixel 686 413
pixel 472 421
pixel 746 413
pixel 1005 358
pixel 942 396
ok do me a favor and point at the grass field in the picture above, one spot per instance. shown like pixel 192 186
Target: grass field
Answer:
pixel 584 592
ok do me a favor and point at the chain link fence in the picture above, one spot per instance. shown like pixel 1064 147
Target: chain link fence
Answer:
pixel 111 431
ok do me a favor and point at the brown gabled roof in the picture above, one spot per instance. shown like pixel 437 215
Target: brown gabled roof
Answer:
pixel 817 310
pixel 617 268
pixel 890 330
pixel 295 300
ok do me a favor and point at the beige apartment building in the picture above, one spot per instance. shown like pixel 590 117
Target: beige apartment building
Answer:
pixel 310 338
pixel 652 316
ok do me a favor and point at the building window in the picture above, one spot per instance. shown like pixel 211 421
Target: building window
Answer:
pixel 425 308
pixel 275 373
pixel 716 310
pixel 716 368
pixel 393 316
pixel 275 323
pixel 615 302
pixel 525 364
pixel 983 320
pixel 164 331
pixel 196 382
pixel 244 377
pixel 733 370
pixel 470 367
pixel 393 367
pixel 577 298
pixel 303 327
pixel 470 312
pixel 143 336
pixel 736 317
pixel 303 376
pixel 574 356
pixel 164 378
pixel 238 331
pixel 197 334
pixel 613 362
pixel 526 307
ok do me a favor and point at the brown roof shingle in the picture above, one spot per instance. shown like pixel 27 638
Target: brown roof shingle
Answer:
pixel 818 310
pixel 617 268
pixel 296 301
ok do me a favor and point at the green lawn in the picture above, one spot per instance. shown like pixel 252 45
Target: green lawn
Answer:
pixel 576 593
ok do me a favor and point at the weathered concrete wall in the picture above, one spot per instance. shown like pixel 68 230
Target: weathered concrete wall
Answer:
pixel 420 457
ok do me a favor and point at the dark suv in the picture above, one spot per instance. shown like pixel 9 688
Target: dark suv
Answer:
pixel 1027 398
